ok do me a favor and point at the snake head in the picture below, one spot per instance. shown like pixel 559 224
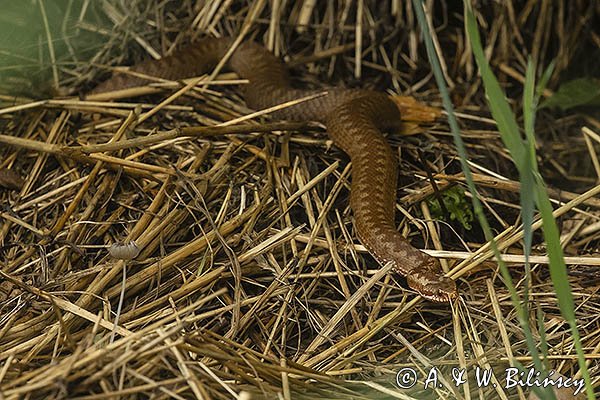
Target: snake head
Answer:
pixel 429 281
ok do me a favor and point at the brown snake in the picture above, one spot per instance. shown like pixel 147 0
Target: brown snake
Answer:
pixel 354 119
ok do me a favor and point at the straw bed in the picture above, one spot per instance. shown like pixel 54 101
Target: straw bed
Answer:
pixel 238 273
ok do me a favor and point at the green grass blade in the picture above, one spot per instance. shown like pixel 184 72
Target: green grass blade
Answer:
pixel 509 132
pixel 527 166
pixel 477 207
pixel 527 196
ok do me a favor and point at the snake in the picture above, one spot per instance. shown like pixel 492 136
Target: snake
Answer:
pixel 355 120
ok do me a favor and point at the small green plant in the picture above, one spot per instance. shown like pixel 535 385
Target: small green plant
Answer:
pixel 575 93
pixel 41 40
pixel 458 207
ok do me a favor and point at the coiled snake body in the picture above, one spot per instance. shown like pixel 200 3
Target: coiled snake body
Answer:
pixel 354 119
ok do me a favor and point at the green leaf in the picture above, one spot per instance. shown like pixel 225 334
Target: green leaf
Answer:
pixel 575 93
pixel 41 40
pixel 457 205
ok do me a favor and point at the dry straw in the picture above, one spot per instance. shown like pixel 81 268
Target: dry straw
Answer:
pixel 249 281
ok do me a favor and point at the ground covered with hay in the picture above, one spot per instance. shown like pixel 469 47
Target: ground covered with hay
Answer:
pixel 175 244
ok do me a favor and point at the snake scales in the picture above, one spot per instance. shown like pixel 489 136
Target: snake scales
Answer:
pixel 354 120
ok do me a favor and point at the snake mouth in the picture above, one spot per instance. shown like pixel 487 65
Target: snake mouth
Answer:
pixel 433 287
pixel 440 297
